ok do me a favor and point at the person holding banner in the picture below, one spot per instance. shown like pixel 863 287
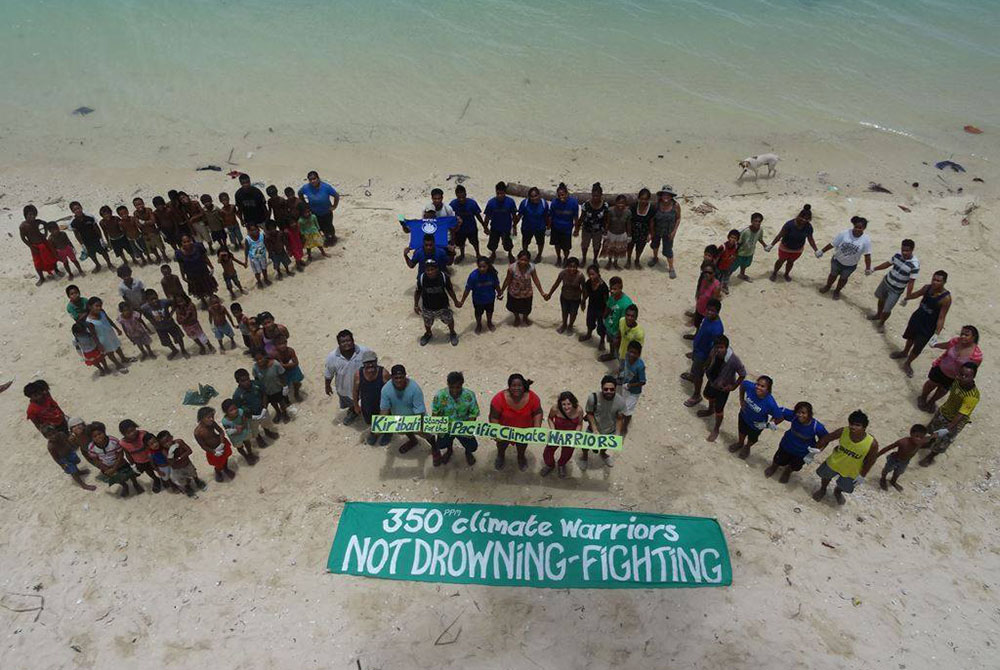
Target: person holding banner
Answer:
pixel 517 406
pixel 428 252
pixel 566 414
pixel 457 404
pixel 605 416
pixel 757 408
pixel 401 396
pixel 368 383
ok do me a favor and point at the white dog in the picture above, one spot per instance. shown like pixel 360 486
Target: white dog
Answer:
pixel 756 162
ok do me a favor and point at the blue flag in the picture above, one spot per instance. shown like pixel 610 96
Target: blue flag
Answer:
pixel 437 227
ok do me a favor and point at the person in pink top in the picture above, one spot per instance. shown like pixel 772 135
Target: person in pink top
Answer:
pixel 566 414
pixel 708 287
pixel 957 352
pixel 516 406
pixel 137 453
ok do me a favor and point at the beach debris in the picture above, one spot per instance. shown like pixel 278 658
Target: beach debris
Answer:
pixel 856 601
pixel 440 641
pixel 204 393
pixel 979 179
pixel 940 165
pixel 465 109
pixel 969 209
pixel 233 174
pixel 249 154
pixel 972 130
pixel 704 208
pixel 83 111
pixel 213 168
pixel 915 184
pixel 827 544
pixel 876 187
pixel 904 208
pixel 9 602
pixel 458 177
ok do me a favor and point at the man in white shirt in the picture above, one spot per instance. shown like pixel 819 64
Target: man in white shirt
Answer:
pixel 438 205
pixel 850 246
pixel 341 364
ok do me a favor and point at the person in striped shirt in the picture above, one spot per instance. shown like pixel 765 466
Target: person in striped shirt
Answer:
pixel 953 414
pixel 903 270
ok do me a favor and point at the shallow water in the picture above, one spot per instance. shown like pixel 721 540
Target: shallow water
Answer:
pixel 549 70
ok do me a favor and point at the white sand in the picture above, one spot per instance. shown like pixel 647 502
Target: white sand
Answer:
pixel 237 577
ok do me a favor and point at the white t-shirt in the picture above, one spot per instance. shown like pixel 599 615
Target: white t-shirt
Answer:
pixel 341 370
pixel 850 249
pixel 445 210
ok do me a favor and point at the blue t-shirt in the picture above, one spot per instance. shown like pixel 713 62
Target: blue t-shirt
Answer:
pixel 501 214
pixel 704 339
pixel 483 287
pixel 533 216
pixel 406 402
pixel 437 227
pixel 799 437
pixel 633 374
pixel 318 198
pixel 563 214
pixel 466 213
pixel 757 410
pixel 420 258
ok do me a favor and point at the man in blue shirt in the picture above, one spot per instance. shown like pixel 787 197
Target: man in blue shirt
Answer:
pixel 534 214
pixel 563 212
pixel 318 193
pixel 468 212
pixel 429 251
pixel 484 284
pixel 710 328
pixel 501 220
pixel 401 396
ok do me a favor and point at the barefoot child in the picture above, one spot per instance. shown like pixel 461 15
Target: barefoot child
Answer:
pixel 77 305
pixel 155 250
pixel 182 470
pixel 89 235
pixel 243 322
pixel 727 259
pixel 249 396
pixel 106 332
pixel 276 242
pixel 137 453
pixel 212 439
pixel 43 411
pixel 136 330
pixel 43 256
pixel 89 348
pixel 160 314
pixel 112 227
pixel 277 206
pixel 170 283
pixel 255 254
pixel 749 239
pixel 63 452
pixel 228 263
pixel 312 238
pixel 270 373
pixel 231 221
pixel 158 457
pixel 903 450
pixel 133 236
pixel 186 314
pixel 289 360
pixel 105 453
pixel 236 423
pixel 63 247
pixel 214 222
pixel 222 322
pixel 132 290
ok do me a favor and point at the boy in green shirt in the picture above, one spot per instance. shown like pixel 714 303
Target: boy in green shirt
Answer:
pixel 614 311
pixel 749 239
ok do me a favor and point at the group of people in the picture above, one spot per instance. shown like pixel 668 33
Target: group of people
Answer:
pixel 611 231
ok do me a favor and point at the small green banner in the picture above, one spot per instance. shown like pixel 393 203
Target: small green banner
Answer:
pixel 544 547
pixel 439 425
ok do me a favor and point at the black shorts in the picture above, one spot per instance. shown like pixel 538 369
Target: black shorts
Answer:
pixel 325 222
pixel 119 245
pixel 748 430
pixel 538 237
pixel 446 442
pixel 496 238
pixel 219 236
pixel 595 319
pixel 561 240
pixel 784 459
pixel 720 398
pixel 276 398
pixel 939 378
pixel 485 308
pixel 569 307
pixel 462 236
pixel 698 318
pixel 170 335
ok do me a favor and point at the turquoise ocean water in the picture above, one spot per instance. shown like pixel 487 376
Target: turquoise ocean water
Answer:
pixel 549 70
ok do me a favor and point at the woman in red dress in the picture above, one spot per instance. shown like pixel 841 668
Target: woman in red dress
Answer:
pixel 519 407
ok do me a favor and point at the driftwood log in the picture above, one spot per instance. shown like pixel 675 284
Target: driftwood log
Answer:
pixel 521 191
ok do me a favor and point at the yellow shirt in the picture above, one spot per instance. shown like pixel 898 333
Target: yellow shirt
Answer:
pixel 960 401
pixel 635 334
pixel 848 456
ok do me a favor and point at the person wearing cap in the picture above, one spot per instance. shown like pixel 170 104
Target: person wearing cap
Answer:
pixel 666 221
pixel 401 396
pixel 340 371
pixel 368 383
pixel 430 301
pixel 458 404
pixel 63 451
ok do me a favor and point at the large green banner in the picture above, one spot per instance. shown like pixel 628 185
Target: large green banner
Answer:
pixel 499 545
pixel 439 425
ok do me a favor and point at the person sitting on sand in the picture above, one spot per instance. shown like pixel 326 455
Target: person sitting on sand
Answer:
pixel 903 270
pixel 64 453
pixel 957 352
pixel 43 256
pixel 926 322
pixel 903 450
pixel 798 444
pixel 850 246
pixel 725 373
pixel 954 413
pixel 793 237
pixel 401 396
pixel 852 458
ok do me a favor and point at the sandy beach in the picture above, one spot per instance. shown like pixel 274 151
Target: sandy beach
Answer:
pixel 236 578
